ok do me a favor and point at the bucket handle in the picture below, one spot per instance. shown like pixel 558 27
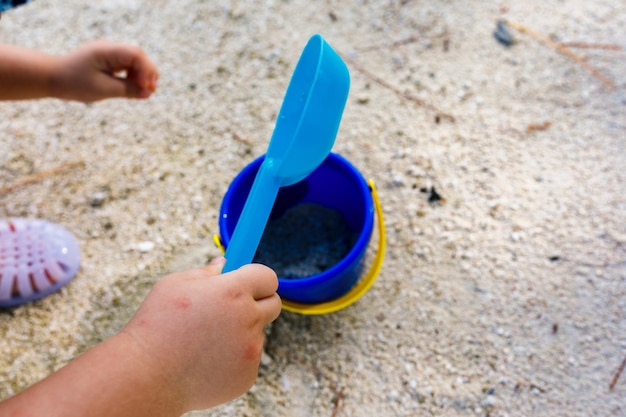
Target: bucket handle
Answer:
pixel 358 290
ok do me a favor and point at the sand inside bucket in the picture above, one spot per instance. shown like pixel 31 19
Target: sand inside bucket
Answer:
pixel 307 240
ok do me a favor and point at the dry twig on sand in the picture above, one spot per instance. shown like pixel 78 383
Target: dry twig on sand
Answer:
pixel 534 127
pixel 588 45
pixel 438 114
pixel 339 397
pixel 617 375
pixel 562 49
pixel 39 176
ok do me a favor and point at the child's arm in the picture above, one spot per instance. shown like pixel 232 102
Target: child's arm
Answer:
pixel 90 73
pixel 195 342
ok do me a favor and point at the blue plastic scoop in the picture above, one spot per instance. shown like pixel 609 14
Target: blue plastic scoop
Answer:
pixel 304 134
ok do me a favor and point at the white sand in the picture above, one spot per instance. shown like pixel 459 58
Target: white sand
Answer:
pixel 469 315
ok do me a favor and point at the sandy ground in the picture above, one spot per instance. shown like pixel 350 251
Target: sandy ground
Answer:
pixel 509 299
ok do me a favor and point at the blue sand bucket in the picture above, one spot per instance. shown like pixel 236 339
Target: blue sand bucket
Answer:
pixel 335 184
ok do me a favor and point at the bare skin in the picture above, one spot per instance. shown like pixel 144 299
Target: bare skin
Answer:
pixel 195 342
pixel 95 71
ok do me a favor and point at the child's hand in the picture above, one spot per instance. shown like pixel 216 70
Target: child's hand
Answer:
pixel 204 331
pixel 195 342
pixel 104 69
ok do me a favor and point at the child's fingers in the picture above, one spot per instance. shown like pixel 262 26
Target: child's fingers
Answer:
pixel 133 61
pixel 260 280
pixel 255 279
pixel 270 307
pixel 112 86
pixel 216 265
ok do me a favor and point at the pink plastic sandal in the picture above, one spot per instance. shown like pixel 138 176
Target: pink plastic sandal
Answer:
pixel 36 258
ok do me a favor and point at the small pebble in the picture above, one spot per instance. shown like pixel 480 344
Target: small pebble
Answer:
pixel 98 199
pixel 503 35
pixel 266 360
pixel 488 402
pixel 145 246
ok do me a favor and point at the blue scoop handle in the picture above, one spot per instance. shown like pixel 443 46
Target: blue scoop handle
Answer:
pixel 247 234
pixel 305 132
